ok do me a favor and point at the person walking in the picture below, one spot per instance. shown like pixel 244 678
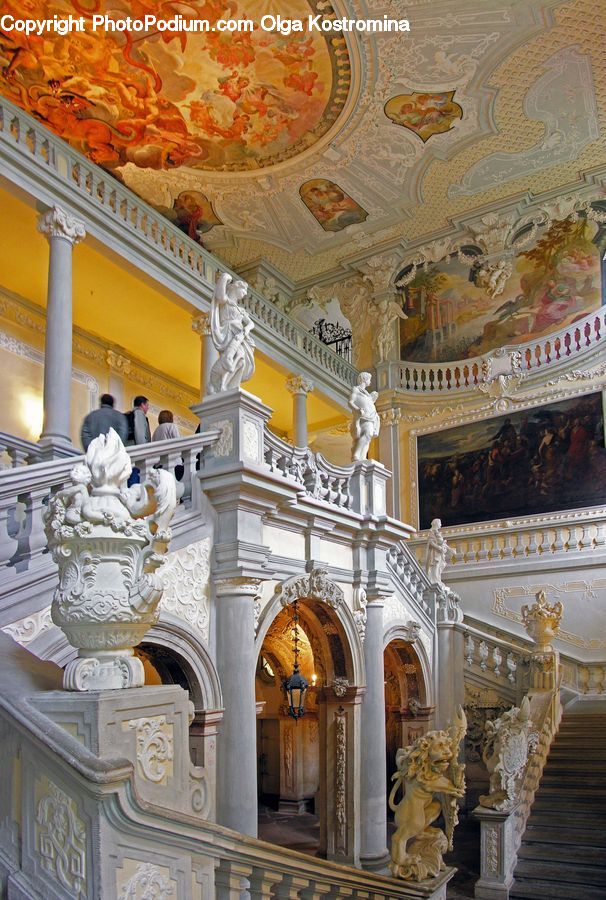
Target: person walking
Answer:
pixel 99 421
pixel 138 425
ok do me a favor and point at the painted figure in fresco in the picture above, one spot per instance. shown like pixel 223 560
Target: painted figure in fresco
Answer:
pixel 365 423
pixel 557 300
pixel 194 214
pixel 330 205
pixel 230 329
pixel 425 114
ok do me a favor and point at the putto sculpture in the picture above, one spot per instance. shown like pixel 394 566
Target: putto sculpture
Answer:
pixel 230 328
pixel 542 621
pixel 431 779
pixel 108 542
pixel 510 740
pixel 365 423
pixel 436 553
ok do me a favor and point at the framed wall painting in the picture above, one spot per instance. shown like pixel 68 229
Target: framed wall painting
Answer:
pixel 524 463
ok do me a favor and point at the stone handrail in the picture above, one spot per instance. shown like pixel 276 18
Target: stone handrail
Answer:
pixel 498 660
pixel 19 451
pixel 24 492
pixel 231 865
pixel 86 187
pixel 320 479
pixel 412 580
pixel 554 534
pixel 466 374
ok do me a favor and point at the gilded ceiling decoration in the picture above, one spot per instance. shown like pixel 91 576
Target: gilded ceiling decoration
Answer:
pixel 161 100
pixel 424 114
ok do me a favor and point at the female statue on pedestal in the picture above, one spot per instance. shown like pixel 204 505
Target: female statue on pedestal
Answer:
pixel 230 327
pixel 436 554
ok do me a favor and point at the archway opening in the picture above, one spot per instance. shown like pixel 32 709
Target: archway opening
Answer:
pixel 289 752
pixel 407 713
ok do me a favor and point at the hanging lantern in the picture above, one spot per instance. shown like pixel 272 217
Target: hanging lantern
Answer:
pixel 296 686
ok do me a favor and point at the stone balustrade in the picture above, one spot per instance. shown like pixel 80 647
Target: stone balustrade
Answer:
pixel 457 377
pixel 552 535
pixel 411 578
pixel 497 661
pixel 321 479
pixel 135 229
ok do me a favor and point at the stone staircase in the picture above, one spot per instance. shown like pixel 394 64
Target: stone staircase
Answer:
pixel 563 851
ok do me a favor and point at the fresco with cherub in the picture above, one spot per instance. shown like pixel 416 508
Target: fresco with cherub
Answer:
pixel 457 310
pixel 208 100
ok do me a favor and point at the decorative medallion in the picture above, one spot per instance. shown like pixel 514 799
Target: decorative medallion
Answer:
pixel 425 114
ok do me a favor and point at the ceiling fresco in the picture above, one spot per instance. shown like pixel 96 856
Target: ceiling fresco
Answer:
pixel 479 105
pixel 211 101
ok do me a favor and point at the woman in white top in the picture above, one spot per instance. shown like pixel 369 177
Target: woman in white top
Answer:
pixel 166 430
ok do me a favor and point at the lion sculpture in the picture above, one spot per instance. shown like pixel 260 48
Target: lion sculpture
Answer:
pixel 431 779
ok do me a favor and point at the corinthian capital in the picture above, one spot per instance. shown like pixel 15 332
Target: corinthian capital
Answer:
pixel 299 384
pixel 56 222
pixel 201 324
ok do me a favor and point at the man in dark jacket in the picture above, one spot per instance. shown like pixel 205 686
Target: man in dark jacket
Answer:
pixel 99 421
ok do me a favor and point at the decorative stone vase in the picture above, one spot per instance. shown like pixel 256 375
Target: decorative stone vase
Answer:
pixel 542 621
pixel 108 542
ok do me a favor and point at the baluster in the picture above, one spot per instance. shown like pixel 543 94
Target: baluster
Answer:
pixel 291 886
pixel 506 549
pixel 231 879
pixel 532 545
pixel 482 553
pixel 483 650
pixel 317 890
pixel 547 352
pixel 599 539
pixel 431 380
pixel 189 473
pixel 587 332
pixel 528 358
pixel 497 659
pixel 557 344
pixel 448 379
pixel 597 327
pixel 457 373
pixel 440 379
pixel 474 372
pixel 577 339
pixel 466 375
pixel 558 540
pixel 262 882
pixel 537 354
pixel 469 649
pixel 511 667
pixel 423 380
pixel 567 343
pixel 10 526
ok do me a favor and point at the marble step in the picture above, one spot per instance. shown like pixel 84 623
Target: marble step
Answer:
pixel 562 872
pixel 528 890
pixel 554 834
pixel 579 854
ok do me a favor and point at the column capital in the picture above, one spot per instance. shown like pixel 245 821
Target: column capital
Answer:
pixel 57 222
pixel 201 324
pixel 118 363
pixel 299 384
pixel 241 585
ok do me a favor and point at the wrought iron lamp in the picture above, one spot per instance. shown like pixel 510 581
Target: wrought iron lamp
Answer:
pixel 296 686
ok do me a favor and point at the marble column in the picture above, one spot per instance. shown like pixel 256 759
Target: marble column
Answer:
pixel 450 652
pixel 63 232
pixel 299 386
pixel 119 367
pixel 373 776
pixel 237 747
pixel 208 354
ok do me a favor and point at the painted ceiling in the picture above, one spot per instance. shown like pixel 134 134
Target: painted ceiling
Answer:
pixel 313 152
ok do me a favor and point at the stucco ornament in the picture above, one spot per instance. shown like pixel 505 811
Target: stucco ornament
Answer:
pixel 108 542
pixel 315 586
pixel 509 742
pixel 436 553
pixel 365 423
pixel 384 313
pixel 431 779
pixel 492 277
pixel 230 328
pixel 542 621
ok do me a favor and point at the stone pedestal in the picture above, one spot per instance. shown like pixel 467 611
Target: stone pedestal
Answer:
pixel 373 827
pixel 208 354
pixel 63 232
pixel 497 858
pixel 431 888
pixel 339 794
pixel 389 454
pixel 450 681
pixel 368 486
pixel 241 418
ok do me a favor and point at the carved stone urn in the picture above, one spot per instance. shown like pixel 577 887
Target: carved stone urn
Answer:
pixel 108 542
pixel 542 621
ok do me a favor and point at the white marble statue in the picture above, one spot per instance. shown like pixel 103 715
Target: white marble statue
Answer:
pixel 230 327
pixel 384 313
pixel 509 741
pixel 108 542
pixel 436 553
pixel 365 423
pixel 431 779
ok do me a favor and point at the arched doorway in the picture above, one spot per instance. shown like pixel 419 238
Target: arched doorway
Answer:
pixel 407 703
pixel 309 765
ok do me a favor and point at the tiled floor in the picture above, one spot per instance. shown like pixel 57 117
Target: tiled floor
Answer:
pixel 302 833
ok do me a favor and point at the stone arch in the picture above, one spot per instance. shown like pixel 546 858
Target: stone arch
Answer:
pixel 171 634
pixel 317 586
pixel 408 634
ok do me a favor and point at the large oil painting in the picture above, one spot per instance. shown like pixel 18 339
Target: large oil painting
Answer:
pixel 159 99
pixel 330 205
pixel 424 114
pixel 451 316
pixel 525 463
